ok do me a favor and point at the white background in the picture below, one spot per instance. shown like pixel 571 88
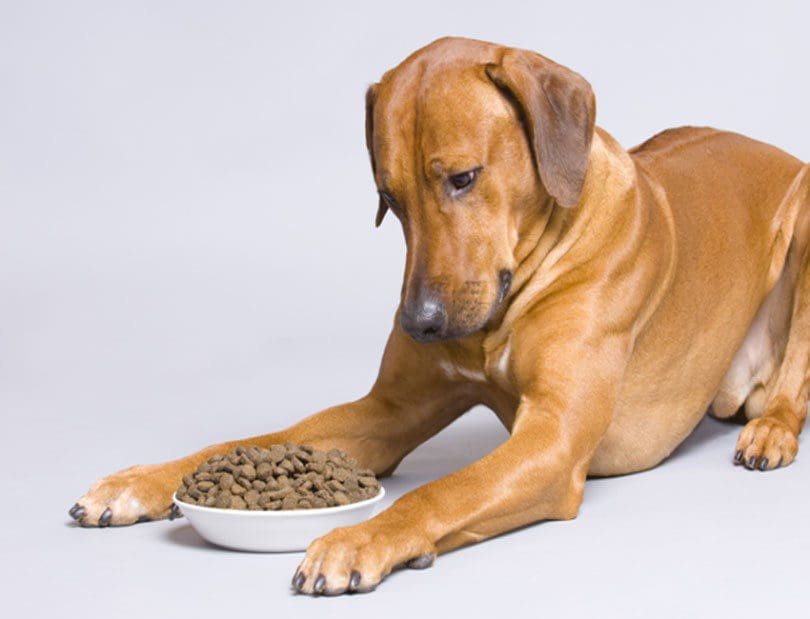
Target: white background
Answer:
pixel 187 254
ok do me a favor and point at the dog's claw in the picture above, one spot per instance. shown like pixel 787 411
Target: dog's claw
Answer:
pixel 320 584
pixel 422 562
pixel 77 512
pixel 298 580
pixel 105 518
pixel 763 464
pixel 354 580
pixel 738 457
pixel 175 512
pixel 752 463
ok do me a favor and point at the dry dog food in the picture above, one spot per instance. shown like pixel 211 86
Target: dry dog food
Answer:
pixel 285 476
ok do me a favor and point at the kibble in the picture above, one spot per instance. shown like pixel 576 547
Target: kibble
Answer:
pixel 283 477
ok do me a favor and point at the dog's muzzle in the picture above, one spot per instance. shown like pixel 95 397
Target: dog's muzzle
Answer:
pixel 426 322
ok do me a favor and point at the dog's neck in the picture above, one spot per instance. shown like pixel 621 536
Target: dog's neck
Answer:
pixel 558 239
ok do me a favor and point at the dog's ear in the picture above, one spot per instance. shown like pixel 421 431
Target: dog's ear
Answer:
pixel 559 110
pixel 371 98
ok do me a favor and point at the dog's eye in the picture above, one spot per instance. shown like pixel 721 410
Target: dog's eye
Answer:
pixel 464 180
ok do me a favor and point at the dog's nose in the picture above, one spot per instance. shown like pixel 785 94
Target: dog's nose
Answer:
pixel 425 322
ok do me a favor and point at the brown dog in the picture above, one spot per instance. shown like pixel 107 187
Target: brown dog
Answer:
pixel 598 300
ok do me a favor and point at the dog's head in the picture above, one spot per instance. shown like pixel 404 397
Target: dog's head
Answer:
pixel 468 141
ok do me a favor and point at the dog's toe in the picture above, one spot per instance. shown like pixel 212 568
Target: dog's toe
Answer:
pixel 77 512
pixel 138 494
pixel 356 559
pixel 422 562
pixel 766 443
pixel 106 518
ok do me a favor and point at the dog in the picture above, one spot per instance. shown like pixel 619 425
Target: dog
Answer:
pixel 600 301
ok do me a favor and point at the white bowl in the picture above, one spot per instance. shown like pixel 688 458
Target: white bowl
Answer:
pixel 273 530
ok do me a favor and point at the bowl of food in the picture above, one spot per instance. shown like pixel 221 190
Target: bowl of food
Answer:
pixel 277 499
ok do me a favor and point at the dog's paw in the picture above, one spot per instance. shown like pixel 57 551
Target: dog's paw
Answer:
pixel 356 559
pixel 137 494
pixel 766 443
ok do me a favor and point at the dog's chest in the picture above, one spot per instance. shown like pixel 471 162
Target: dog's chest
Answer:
pixel 486 369
pixel 498 365
pixel 492 367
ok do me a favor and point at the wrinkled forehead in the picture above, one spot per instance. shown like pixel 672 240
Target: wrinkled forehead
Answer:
pixel 435 120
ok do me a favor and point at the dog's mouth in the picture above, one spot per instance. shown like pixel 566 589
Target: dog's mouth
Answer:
pixel 504 286
pixel 429 321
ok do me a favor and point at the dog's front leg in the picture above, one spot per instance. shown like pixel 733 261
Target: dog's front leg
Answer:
pixel 409 402
pixel 537 474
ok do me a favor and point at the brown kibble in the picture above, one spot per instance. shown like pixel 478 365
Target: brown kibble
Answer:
pixel 249 471
pixel 284 476
pixel 226 481
pixel 315 467
pixel 281 493
pixel 264 471
pixel 276 454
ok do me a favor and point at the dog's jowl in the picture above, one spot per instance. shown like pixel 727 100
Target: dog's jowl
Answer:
pixel 600 301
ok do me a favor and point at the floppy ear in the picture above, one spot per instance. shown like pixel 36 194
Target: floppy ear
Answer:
pixel 371 97
pixel 559 110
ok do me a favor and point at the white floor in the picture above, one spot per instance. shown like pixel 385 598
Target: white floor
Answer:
pixel 695 537
pixel 180 187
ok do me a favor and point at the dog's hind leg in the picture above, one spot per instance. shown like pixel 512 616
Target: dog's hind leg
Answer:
pixel 777 410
